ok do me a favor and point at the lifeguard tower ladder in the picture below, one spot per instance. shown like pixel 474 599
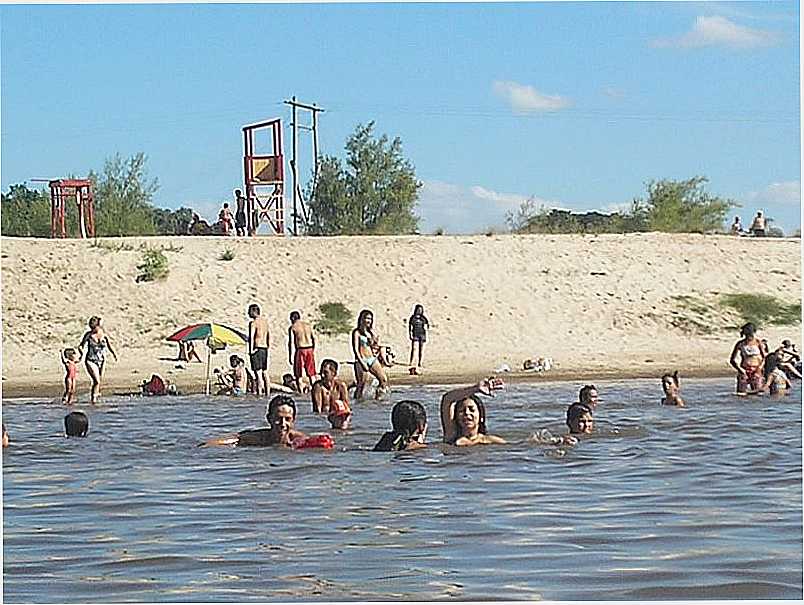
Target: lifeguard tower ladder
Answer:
pixel 264 179
pixel 61 191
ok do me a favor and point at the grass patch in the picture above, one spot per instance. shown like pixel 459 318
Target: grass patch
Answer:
pixel 227 254
pixel 117 247
pixel 762 309
pixel 335 318
pixel 154 266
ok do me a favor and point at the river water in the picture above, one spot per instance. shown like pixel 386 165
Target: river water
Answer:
pixel 660 503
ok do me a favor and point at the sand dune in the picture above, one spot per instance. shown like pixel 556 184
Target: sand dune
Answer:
pixel 592 303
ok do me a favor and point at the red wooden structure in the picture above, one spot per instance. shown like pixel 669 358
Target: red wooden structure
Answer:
pixel 63 190
pixel 264 179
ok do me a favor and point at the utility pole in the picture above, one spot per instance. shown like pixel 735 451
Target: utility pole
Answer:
pixel 297 197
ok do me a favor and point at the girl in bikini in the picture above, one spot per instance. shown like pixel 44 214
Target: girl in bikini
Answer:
pixel 752 358
pixel 366 348
pixel 97 343
pixel 463 415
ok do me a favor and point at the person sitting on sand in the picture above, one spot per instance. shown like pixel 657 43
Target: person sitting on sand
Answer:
pixel 366 349
pixel 776 380
pixel 281 418
pixel 787 357
pixel 76 424
pixel 737 227
pixel 97 343
pixel 409 427
pixel 155 387
pixel 330 396
pixel 752 356
pixel 301 350
pixel 671 385
pixel 69 357
pixel 187 351
pixel 463 415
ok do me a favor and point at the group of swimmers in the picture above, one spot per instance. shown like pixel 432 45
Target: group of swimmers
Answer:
pixel 758 368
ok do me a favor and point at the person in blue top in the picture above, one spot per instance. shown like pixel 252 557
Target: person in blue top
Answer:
pixel 417 331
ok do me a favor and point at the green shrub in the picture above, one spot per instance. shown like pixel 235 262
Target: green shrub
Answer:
pixel 227 254
pixel 154 266
pixel 761 309
pixel 334 319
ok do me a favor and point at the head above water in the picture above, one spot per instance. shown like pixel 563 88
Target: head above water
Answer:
pixel 408 418
pixel 670 383
pixel 76 424
pixel 588 395
pixel 294 316
pixel 329 369
pixel 749 330
pixel 281 415
pixel 470 414
pixel 580 419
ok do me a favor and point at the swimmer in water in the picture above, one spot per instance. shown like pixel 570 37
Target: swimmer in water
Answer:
pixel 463 415
pixel 409 427
pixel 671 386
pixel 76 424
pixel 752 357
pixel 776 380
pixel 281 418
pixel 580 420
pixel 588 396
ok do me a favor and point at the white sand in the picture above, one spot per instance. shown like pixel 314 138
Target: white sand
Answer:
pixel 592 303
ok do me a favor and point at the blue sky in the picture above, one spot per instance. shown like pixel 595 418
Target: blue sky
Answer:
pixel 578 105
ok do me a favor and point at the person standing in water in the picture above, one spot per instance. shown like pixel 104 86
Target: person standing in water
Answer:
pixel 330 396
pixel 417 331
pixel 751 359
pixel 463 415
pixel 96 343
pixel 409 427
pixel 671 385
pixel 258 349
pixel 366 349
pixel 301 350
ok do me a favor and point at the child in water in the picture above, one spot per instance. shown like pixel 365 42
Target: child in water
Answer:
pixel 463 415
pixel 76 424
pixel 409 426
pixel 671 387
pixel 237 377
pixel 776 380
pixel 69 357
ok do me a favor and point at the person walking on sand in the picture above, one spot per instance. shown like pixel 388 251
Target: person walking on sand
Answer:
pixel 366 349
pixel 417 331
pixel 240 212
pixel 259 348
pixel 751 360
pixel 301 350
pixel 96 343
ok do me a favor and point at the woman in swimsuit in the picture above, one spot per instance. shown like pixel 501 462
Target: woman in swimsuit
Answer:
pixel 463 415
pixel 97 343
pixel 752 357
pixel 366 348
pixel 409 426
pixel 671 385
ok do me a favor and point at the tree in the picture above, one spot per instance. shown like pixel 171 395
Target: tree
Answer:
pixel 25 212
pixel 171 222
pixel 684 206
pixel 374 194
pixel 531 217
pixel 123 196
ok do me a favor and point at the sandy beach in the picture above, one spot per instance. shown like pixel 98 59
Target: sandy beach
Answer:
pixel 604 306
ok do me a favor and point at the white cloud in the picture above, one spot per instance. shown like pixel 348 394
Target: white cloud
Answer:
pixel 614 93
pixel 506 201
pixel 525 98
pixel 786 193
pixel 719 31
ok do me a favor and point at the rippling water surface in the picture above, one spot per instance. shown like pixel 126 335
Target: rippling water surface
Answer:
pixel 661 503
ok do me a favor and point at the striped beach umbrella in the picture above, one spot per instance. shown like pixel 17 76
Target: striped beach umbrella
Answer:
pixel 217 336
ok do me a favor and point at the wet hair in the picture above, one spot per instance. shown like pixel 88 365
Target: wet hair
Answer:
pixel 583 394
pixel 407 418
pixel 418 310
pixel 76 424
pixel 748 330
pixel 331 363
pixel 276 403
pixel 673 377
pixel 771 363
pixel 361 318
pixel 254 308
pixel 575 411
pixel 294 315
pixel 481 412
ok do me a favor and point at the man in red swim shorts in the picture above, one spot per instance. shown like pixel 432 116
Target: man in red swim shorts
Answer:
pixel 302 339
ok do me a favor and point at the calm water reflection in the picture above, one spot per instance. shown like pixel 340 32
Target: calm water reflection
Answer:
pixel 660 503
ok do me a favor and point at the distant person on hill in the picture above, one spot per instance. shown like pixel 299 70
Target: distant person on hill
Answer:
pixel 76 424
pixel 751 358
pixel 671 385
pixel 366 349
pixel 259 348
pixel 301 350
pixel 69 357
pixel 758 225
pixel 225 219
pixel 737 227
pixel 409 427
pixel 240 212
pixel 96 343
pixel 417 331
pixel 776 380
pixel 330 396
pixel 463 415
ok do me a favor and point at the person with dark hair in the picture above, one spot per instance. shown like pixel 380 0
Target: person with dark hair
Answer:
pixel 330 396
pixel 69 357
pixel 788 357
pixel 758 225
pixel 259 351
pixel 580 419
pixel 76 424
pixel 281 418
pixel 97 344
pixel 776 380
pixel 463 415
pixel 301 350
pixel 409 427
pixel 588 396
pixel 671 385
pixel 240 212
pixel 5 439
pixel 751 359
pixel 417 331
pixel 366 349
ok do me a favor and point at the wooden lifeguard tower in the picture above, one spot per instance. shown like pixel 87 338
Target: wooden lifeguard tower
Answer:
pixel 264 177
pixel 61 192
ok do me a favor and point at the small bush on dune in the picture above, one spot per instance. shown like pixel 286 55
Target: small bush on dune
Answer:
pixel 335 319
pixel 762 309
pixel 227 254
pixel 154 266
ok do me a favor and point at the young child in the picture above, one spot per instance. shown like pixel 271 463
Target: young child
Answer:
pixel 76 424
pixel 671 387
pixel 237 375
pixel 69 357
pixel 776 380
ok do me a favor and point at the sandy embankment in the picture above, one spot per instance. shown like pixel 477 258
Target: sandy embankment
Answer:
pixel 600 306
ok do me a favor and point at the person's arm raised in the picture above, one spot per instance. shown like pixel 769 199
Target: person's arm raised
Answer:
pixel 486 387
